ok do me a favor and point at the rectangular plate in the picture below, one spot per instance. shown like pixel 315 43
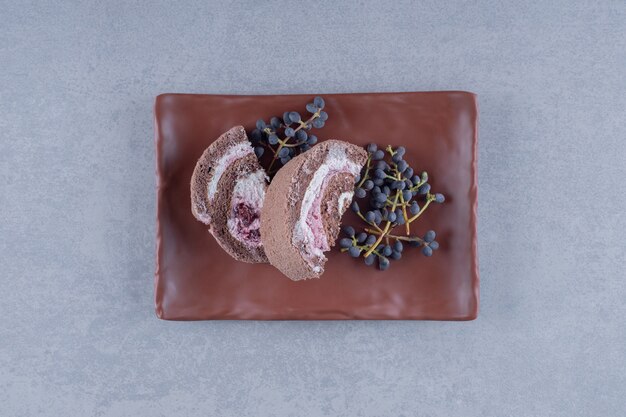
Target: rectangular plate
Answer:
pixel 197 280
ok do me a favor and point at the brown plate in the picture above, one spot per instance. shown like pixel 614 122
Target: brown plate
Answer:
pixel 196 280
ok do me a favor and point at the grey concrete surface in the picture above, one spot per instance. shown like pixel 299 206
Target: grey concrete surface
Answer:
pixel 78 335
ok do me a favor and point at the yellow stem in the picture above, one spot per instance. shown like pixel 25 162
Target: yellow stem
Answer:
pixel 367 170
pixel 412 219
pixel 406 218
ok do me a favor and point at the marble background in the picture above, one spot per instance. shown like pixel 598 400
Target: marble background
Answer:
pixel 78 334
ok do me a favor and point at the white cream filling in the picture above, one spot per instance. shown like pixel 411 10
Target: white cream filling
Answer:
pixel 251 190
pixel 336 161
pixel 232 154
pixel 345 197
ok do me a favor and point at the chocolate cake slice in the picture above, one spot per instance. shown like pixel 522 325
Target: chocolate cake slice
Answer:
pixel 304 204
pixel 227 192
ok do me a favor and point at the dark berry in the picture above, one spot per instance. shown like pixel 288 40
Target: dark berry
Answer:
pixel 379 173
pixel 372 147
pixel 370 216
pixel 378 155
pixel 354 207
pixel 434 245
pixel 371 239
pixel 427 251
pixel 382 165
pixel 275 122
pixel 391 217
pixel 383 263
pixel 272 139
pixel 414 208
pixel 310 107
pixel 258 151
pixel 349 230
pixel 400 219
pixel 256 136
pixel 260 124
pixel 323 116
pixel 286 118
pixel 368 185
pixel 407 195
pixel 397 246
pixel 424 189
pixel 283 152
pixel 381 198
pixel 319 102
pixel 301 135
pixel 294 116
pixel 396 158
pixel 395 255
pixel 360 193
pixel 312 140
pixel 408 173
pixel 378 181
pixel 430 236
pixel 361 237
pixel 318 123
pixel 387 250
pixel 285 159
pixel 345 242
pixel 369 259
pixel 400 150
pixel 439 198
pixel 354 251
pixel 402 166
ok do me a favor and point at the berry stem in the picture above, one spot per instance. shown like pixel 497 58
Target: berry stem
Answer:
pixel 396 237
pixel 406 217
pixel 423 209
pixel 293 145
pixel 358 213
pixel 367 171
pixel 418 185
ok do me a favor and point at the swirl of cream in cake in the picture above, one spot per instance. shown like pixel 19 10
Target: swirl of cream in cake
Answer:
pixel 308 231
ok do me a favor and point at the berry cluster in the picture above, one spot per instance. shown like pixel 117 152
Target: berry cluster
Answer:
pixel 396 196
pixel 288 136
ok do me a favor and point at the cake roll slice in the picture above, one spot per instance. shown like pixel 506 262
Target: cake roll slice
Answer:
pixel 301 216
pixel 227 192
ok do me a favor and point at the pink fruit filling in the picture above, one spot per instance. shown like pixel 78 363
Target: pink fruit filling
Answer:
pixel 247 223
pixel 314 217
pixel 318 242
pixel 246 203
pixel 308 232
